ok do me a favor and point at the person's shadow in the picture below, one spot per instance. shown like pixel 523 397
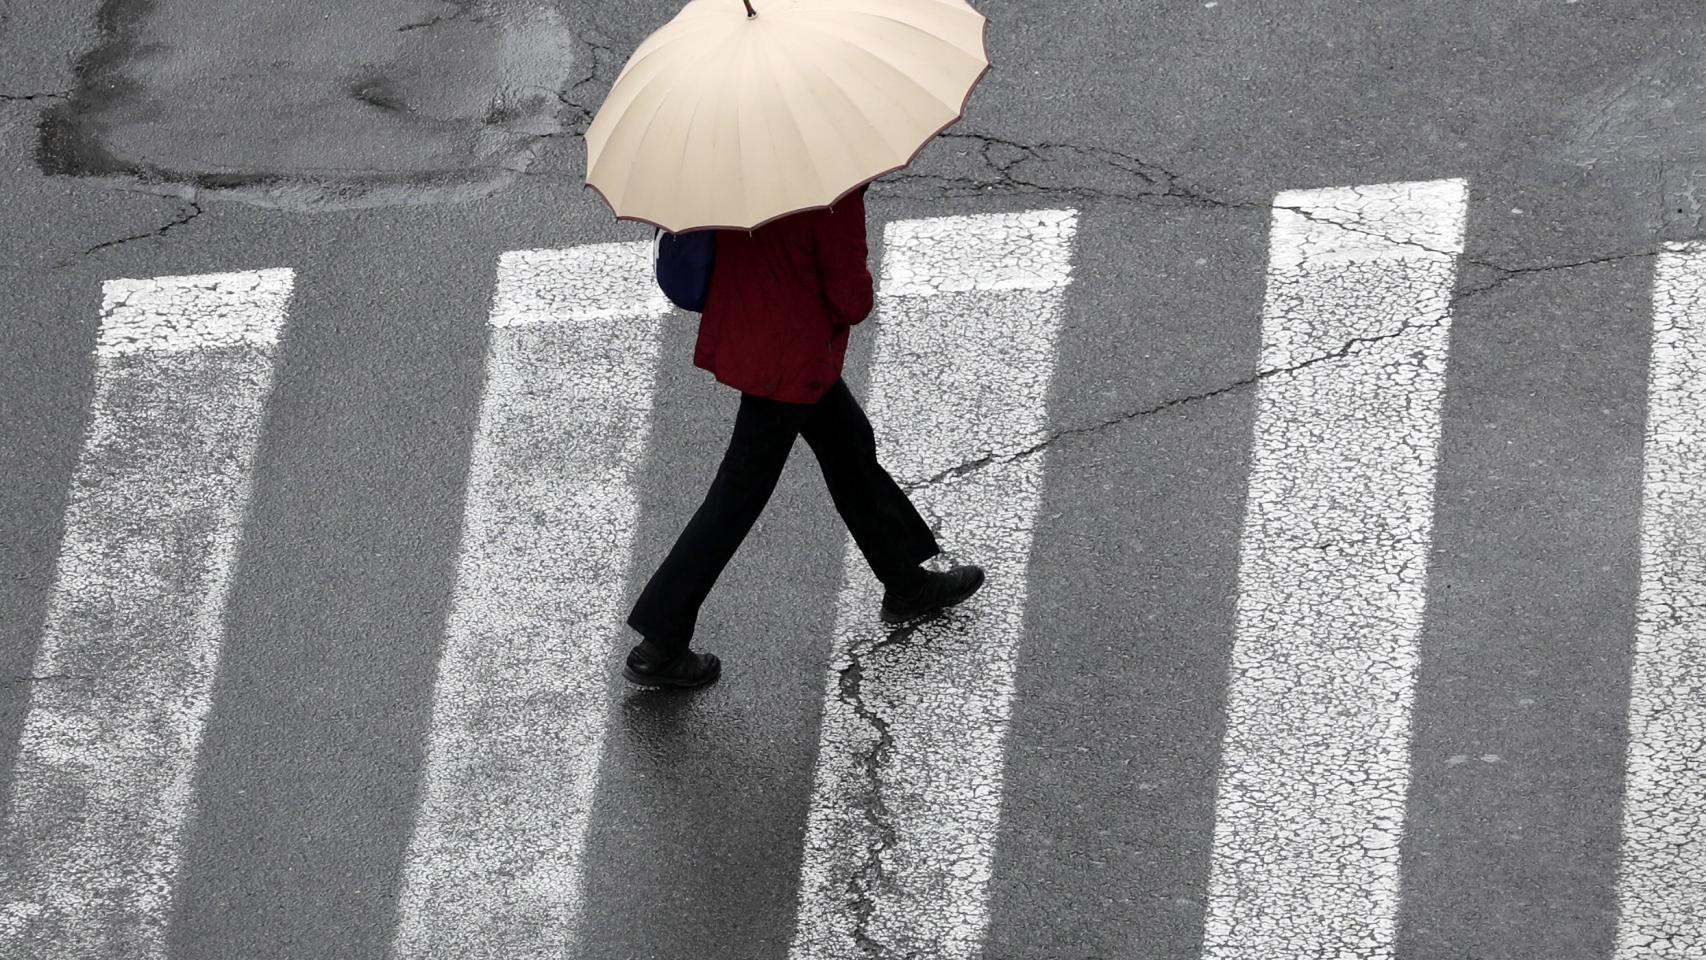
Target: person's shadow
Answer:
pixel 654 718
pixel 668 727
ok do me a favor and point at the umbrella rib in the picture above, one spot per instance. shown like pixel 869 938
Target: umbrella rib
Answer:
pixel 817 66
pixel 667 42
pixel 945 37
pixel 740 127
pixel 791 127
pixel 810 145
pixel 703 89
pixel 664 100
pixel 877 57
pixel 915 28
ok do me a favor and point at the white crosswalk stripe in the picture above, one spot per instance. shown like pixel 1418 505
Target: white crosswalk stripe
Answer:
pixel 521 700
pixel 1662 880
pixel 908 784
pixel 1332 569
pixel 900 837
pixel 124 673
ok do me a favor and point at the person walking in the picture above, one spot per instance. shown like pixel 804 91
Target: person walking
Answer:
pixel 782 300
pixel 765 120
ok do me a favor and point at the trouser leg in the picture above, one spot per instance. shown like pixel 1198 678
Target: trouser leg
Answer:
pixel 890 533
pixel 668 607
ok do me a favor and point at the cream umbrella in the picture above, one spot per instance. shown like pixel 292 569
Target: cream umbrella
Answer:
pixel 730 116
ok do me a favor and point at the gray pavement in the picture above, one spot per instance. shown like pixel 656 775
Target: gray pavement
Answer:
pixel 129 151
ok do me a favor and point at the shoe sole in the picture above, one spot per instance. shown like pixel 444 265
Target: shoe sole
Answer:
pixel 709 676
pixel 888 616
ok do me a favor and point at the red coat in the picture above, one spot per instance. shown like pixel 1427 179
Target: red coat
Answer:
pixel 782 299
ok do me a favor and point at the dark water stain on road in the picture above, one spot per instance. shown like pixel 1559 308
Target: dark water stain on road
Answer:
pixel 1653 116
pixel 317 104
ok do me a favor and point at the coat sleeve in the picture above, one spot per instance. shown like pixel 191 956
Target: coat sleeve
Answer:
pixel 841 254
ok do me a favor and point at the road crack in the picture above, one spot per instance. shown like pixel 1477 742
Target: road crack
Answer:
pixel 462 13
pixel 187 213
pixel 1505 275
pixel 1153 183
pixel 1508 274
pixel 601 59
pixel 871 873
pixel 990 459
pixel 27 97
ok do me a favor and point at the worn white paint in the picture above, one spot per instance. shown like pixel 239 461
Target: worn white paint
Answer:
pixel 521 701
pixel 123 677
pixel 1332 571
pixel 907 789
pixel 1662 879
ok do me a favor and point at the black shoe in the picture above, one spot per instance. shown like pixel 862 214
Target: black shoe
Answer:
pixel 685 670
pixel 940 590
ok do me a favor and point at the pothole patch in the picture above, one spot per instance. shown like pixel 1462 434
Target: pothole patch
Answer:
pixel 315 103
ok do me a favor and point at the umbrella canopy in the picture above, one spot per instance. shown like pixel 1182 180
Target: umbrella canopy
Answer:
pixel 721 119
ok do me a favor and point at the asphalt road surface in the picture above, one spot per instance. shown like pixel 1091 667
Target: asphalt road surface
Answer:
pixel 1322 384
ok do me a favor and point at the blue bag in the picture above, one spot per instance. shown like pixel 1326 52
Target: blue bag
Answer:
pixel 682 262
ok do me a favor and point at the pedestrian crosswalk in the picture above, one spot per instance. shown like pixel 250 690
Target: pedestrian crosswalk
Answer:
pixel 521 700
pixel 1663 884
pixel 1333 562
pixel 900 839
pixel 907 791
pixel 102 786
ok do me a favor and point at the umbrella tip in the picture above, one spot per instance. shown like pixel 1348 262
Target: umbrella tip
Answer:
pixel 750 13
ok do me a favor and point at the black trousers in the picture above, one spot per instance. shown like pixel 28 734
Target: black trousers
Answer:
pixel 883 522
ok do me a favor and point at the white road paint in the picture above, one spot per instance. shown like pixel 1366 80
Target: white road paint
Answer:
pixel 521 701
pixel 1662 880
pixel 907 789
pixel 1332 570
pixel 134 624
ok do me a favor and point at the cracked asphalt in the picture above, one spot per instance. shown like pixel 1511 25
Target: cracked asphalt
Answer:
pixel 391 160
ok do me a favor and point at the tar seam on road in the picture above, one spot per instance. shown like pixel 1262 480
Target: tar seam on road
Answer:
pixel 1332 574
pixel 906 796
pixel 183 369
